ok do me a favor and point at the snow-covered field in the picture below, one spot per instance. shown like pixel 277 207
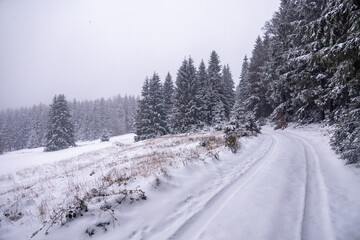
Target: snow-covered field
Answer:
pixel 281 185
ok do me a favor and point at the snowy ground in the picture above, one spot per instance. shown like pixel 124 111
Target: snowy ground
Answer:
pixel 281 185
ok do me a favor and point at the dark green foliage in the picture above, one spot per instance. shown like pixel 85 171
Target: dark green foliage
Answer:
pixel 229 93
pixel 243 121
pixel 157 115
pixel 215 91
pixel 203 93
pixel 258 87
pixel 105 137
pixel 141 120
pixel 241 124
pixel 186 116
pixel 150 120
pixel 243 88
pixel 60 132
pixel 168 90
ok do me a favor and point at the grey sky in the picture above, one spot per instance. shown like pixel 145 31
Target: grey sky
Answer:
pixel 88 49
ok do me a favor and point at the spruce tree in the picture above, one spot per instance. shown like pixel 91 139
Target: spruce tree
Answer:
pixel 215 90
pixel 150 120
pixel 242 121
pixel 186 116
pixel 243 88
pixel 60 132
pixel 204 93
pixel 142 123
pixel 168 90
pixel 258 86
pixel 229 92
pixel 157 114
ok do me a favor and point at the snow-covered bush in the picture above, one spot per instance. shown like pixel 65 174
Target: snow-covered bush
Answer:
pixel 77 210
pixel 90 231
pixel 204 142
pixel 242 124
pixel 13 214
pixel 231 138
pixel 105 137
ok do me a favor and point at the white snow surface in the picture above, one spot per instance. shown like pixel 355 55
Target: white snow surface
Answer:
pixel 17 160
pixel 281 185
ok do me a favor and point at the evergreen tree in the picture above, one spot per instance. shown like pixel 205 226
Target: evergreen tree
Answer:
pixel 151 116
pixel 142 123
pixel 37 126
pixel 219 115
pixel 129 113
pixel 243 88
pixel 215 90
pixel 204 93
pixel 229 93
pixel 258 86
pixel 60 132
pixel 186 115
pixel 242 122
pixel 7 130
pixel 168 95
pixel 157 115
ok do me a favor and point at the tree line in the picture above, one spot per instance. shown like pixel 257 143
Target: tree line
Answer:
pixel 27 127
pixel 200 98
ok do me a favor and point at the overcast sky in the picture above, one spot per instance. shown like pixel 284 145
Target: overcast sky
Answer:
pixel 89 49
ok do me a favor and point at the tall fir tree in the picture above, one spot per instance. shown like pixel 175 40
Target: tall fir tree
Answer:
pixel 60 132
pixel 142 123
pixel 257 101
pixel 157 108
pixel 229 92
pixel 168 90
pixel 216 107
pixel 186 116
pixel 151 116
pixel 243 88
pixel 204 93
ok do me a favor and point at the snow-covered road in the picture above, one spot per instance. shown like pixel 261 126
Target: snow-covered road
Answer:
pixel 285 185
pixel 282 196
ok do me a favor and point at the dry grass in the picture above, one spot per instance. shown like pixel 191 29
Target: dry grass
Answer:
pixel 107 170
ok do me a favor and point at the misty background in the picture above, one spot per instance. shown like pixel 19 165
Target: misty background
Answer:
pixel 89 49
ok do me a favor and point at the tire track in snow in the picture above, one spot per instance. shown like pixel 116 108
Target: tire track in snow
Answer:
pixel 199 221
pixel 316 222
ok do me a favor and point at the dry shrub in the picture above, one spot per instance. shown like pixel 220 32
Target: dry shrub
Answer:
pixel 280 121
